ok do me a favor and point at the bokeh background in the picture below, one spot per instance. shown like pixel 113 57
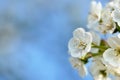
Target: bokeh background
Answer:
pixel 34 35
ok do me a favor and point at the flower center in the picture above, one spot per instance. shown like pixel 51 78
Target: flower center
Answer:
pixel 82 45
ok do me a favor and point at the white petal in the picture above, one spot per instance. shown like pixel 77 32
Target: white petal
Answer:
pixel 79 65
pixel 96 67
pixel 111 43
pixel 111 69
pixel 95 14
pixel 96 38
pixel 114 42
pixel 96 8
pixel 73 48
pixel 88 37
pixel 79 33
pixel 99 9
pixel 73 43
pixel 93 25
pixel 77 53
pixel 93 5
pixel 116 16
pixel 82 35
pixel 82 71
pixel 88 47
pixel 116 3
pixel 112 57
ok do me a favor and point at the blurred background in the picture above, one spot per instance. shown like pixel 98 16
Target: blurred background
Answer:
pixel 34 35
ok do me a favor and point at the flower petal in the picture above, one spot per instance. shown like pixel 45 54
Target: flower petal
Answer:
pixel 79 33
pixel 112 57
pixel 114 42
pixel 79 65
pixel 116 16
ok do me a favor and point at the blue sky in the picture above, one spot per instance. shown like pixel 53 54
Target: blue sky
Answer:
pixel 43 28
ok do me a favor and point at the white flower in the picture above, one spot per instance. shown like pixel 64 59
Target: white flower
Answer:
pixel 101 21
pixel 96 38
pixel 98 70
pixel 106 25
pixel 79 65
pixel 80 44
pixel 111 69
pixel 96 41
pixel 95 14
pixel 112 55
pixel 116 16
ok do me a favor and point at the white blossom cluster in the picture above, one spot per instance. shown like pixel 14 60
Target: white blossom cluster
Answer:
pixel 103 53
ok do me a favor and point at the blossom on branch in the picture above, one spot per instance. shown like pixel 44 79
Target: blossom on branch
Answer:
pixel 80 44
pixel 104 52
